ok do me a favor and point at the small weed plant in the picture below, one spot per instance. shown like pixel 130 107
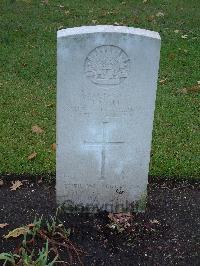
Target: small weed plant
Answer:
pixel 43 244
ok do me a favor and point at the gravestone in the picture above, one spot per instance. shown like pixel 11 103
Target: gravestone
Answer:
pixel 106 89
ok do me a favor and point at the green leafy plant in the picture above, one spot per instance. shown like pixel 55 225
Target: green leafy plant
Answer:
pixel 41 260
pixel 26 259
pixel 52 234
pixel 8 257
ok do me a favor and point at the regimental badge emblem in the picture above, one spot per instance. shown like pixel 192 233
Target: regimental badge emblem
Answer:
pixel 107 65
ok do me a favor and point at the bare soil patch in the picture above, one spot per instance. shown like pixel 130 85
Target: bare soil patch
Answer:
pixel 168 233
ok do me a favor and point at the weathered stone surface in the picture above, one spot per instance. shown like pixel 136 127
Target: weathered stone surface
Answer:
pixel 106 89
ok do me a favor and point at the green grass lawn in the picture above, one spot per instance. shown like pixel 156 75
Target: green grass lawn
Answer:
pixel 28 78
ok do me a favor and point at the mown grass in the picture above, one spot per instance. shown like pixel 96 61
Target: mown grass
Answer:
pixel 28 78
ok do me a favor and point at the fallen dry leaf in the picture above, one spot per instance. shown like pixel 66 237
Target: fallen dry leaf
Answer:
pixel 120 218
pixel 162 81
pixel 120 221
pixel 136 19
pixel 17 232
pixel 171 56
pixel 16 184
pixel 53 146
pixel 184 90
pixel 40 181
pixel 160 14
pixel 36 129
pixel 151 18
pixel 198 82
pixel 32 156
pixel 192 89
pixel 3 225
pixel 195 88
pixel 1 182
pixel 30 225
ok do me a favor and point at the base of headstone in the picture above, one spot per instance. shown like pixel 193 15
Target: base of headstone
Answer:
pixel 137 206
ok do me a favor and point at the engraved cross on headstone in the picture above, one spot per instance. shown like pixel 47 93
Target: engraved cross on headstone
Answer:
pixel 103 143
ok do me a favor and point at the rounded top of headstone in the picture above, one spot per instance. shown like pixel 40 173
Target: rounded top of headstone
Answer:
pixel 107 29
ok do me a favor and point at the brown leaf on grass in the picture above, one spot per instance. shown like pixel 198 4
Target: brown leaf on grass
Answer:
pixel 3 225
pixel 1 182
pixel 162 81
pixel 36 129
pixel 184 90
pixel 30 225
pixel 193 89
pixel 32 156
pixel 151 18
pixel 53 146
pixel 15 185
pixel 172 56
pixel 17 232
pixel 136 19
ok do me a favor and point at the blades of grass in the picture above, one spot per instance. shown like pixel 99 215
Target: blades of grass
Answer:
pixel 8 257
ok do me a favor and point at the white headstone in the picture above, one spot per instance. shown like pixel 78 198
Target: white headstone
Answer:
pixel 106 90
